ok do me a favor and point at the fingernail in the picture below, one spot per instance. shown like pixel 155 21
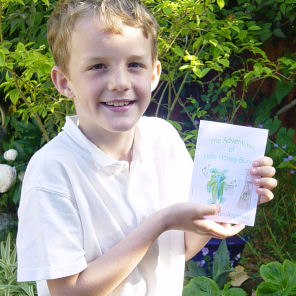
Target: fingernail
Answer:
pixel 257 181
pixel 259 191
pixel 256 163
pixel 253 171
pixel 262 199
pixel 218 209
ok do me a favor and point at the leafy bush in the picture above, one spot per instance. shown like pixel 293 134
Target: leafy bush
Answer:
pixel 279 279
pixel 214 67
pixel 8 284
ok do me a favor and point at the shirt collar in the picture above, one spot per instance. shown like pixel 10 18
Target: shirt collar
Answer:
pixel 100 158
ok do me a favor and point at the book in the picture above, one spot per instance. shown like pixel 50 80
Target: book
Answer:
pixel 221 172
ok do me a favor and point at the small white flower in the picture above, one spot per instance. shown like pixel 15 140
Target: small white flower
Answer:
pixel 7 177
pixel 10 154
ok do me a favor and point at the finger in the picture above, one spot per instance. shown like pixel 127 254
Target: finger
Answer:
pixel 263 161
pixel 269 183
pixel 217 230
pixel 208 210
pixel 265 195
pixel 263 171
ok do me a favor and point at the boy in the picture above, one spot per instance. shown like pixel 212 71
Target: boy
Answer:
pixel 105 202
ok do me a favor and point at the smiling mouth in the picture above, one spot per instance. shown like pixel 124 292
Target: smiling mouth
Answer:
pixel 118 103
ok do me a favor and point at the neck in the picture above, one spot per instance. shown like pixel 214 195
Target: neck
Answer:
pixel 118 145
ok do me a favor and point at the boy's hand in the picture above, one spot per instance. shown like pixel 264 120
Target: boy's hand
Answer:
pixel 189 217
pixel 263 171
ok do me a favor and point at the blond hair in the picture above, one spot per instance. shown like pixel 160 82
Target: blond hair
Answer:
pixel 112 13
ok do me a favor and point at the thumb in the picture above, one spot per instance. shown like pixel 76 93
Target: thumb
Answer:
pixel 209 210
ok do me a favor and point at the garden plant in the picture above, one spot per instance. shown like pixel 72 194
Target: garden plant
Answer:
pixel 229 61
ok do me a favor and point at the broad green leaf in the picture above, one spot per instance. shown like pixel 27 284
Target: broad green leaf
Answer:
pixel 20 47
pixel 235 292
pixel 14 96
pixel 213 42
pixel 272 272
pixel 244 104
pixel 221 264
pixel 201 286
pixel 46 2
pixel 279 33
pixel 268 289
pixel 204 72
pixel 224 62
pixel 178 50
pixel 290 271
pixel 221 3
pixel 228 83
pixel 2 59
pixel 193 269
pixel 254 28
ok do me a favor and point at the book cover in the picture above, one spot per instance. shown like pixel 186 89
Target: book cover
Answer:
pixel 221 173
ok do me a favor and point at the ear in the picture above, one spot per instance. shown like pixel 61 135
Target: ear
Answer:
pixel 155 75
pixel 61 82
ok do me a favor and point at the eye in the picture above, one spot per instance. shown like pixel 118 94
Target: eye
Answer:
pixel 98 67
pixel 135 65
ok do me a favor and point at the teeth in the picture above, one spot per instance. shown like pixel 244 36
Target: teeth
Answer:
pixel 117 104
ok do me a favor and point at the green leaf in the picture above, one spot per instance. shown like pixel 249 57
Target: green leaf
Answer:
pixel 14 96
pixel 178 50
pixel 279 33
pixel 20 47
pixel 221 3
pixel 268 289
pixel 244 104
pixel 272 272
pixel 193 269
pixel 235 292
pixel 224 62
pixel 221 264
pixel 254 28
pixel 290 272
pixel 2 59
pixel 204 72
pixel 228 83
pixel 201 286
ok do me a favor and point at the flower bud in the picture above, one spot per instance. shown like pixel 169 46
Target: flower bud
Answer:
pixel 7 177
pixel 10 155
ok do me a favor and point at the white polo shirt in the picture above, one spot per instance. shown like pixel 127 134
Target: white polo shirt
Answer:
pixel 77 202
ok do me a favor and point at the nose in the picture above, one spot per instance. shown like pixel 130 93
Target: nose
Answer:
pixel 119 80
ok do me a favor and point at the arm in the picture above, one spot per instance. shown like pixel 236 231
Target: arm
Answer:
pixel 106 272
pixel 263 173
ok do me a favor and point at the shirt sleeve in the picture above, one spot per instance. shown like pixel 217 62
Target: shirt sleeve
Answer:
pixel 49 239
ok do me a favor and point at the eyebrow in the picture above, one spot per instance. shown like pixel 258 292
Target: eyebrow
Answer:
pixel 102 58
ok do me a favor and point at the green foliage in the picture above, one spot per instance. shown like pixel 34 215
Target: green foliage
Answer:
pixel 205 286
pixel 199 284
pixel 219 271
pixel 212 54
pixel 279 279
pixel 8 284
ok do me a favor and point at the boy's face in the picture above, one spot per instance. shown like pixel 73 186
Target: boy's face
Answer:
pixel 110 77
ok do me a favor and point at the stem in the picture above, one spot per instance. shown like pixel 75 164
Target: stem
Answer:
pixel 287 107
pixel 35 115
pixel 177 95
pixel 160 100
pixel 1 12
pixel 276 247
pixel 181 86
pixel 2 116
pixel 238 106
